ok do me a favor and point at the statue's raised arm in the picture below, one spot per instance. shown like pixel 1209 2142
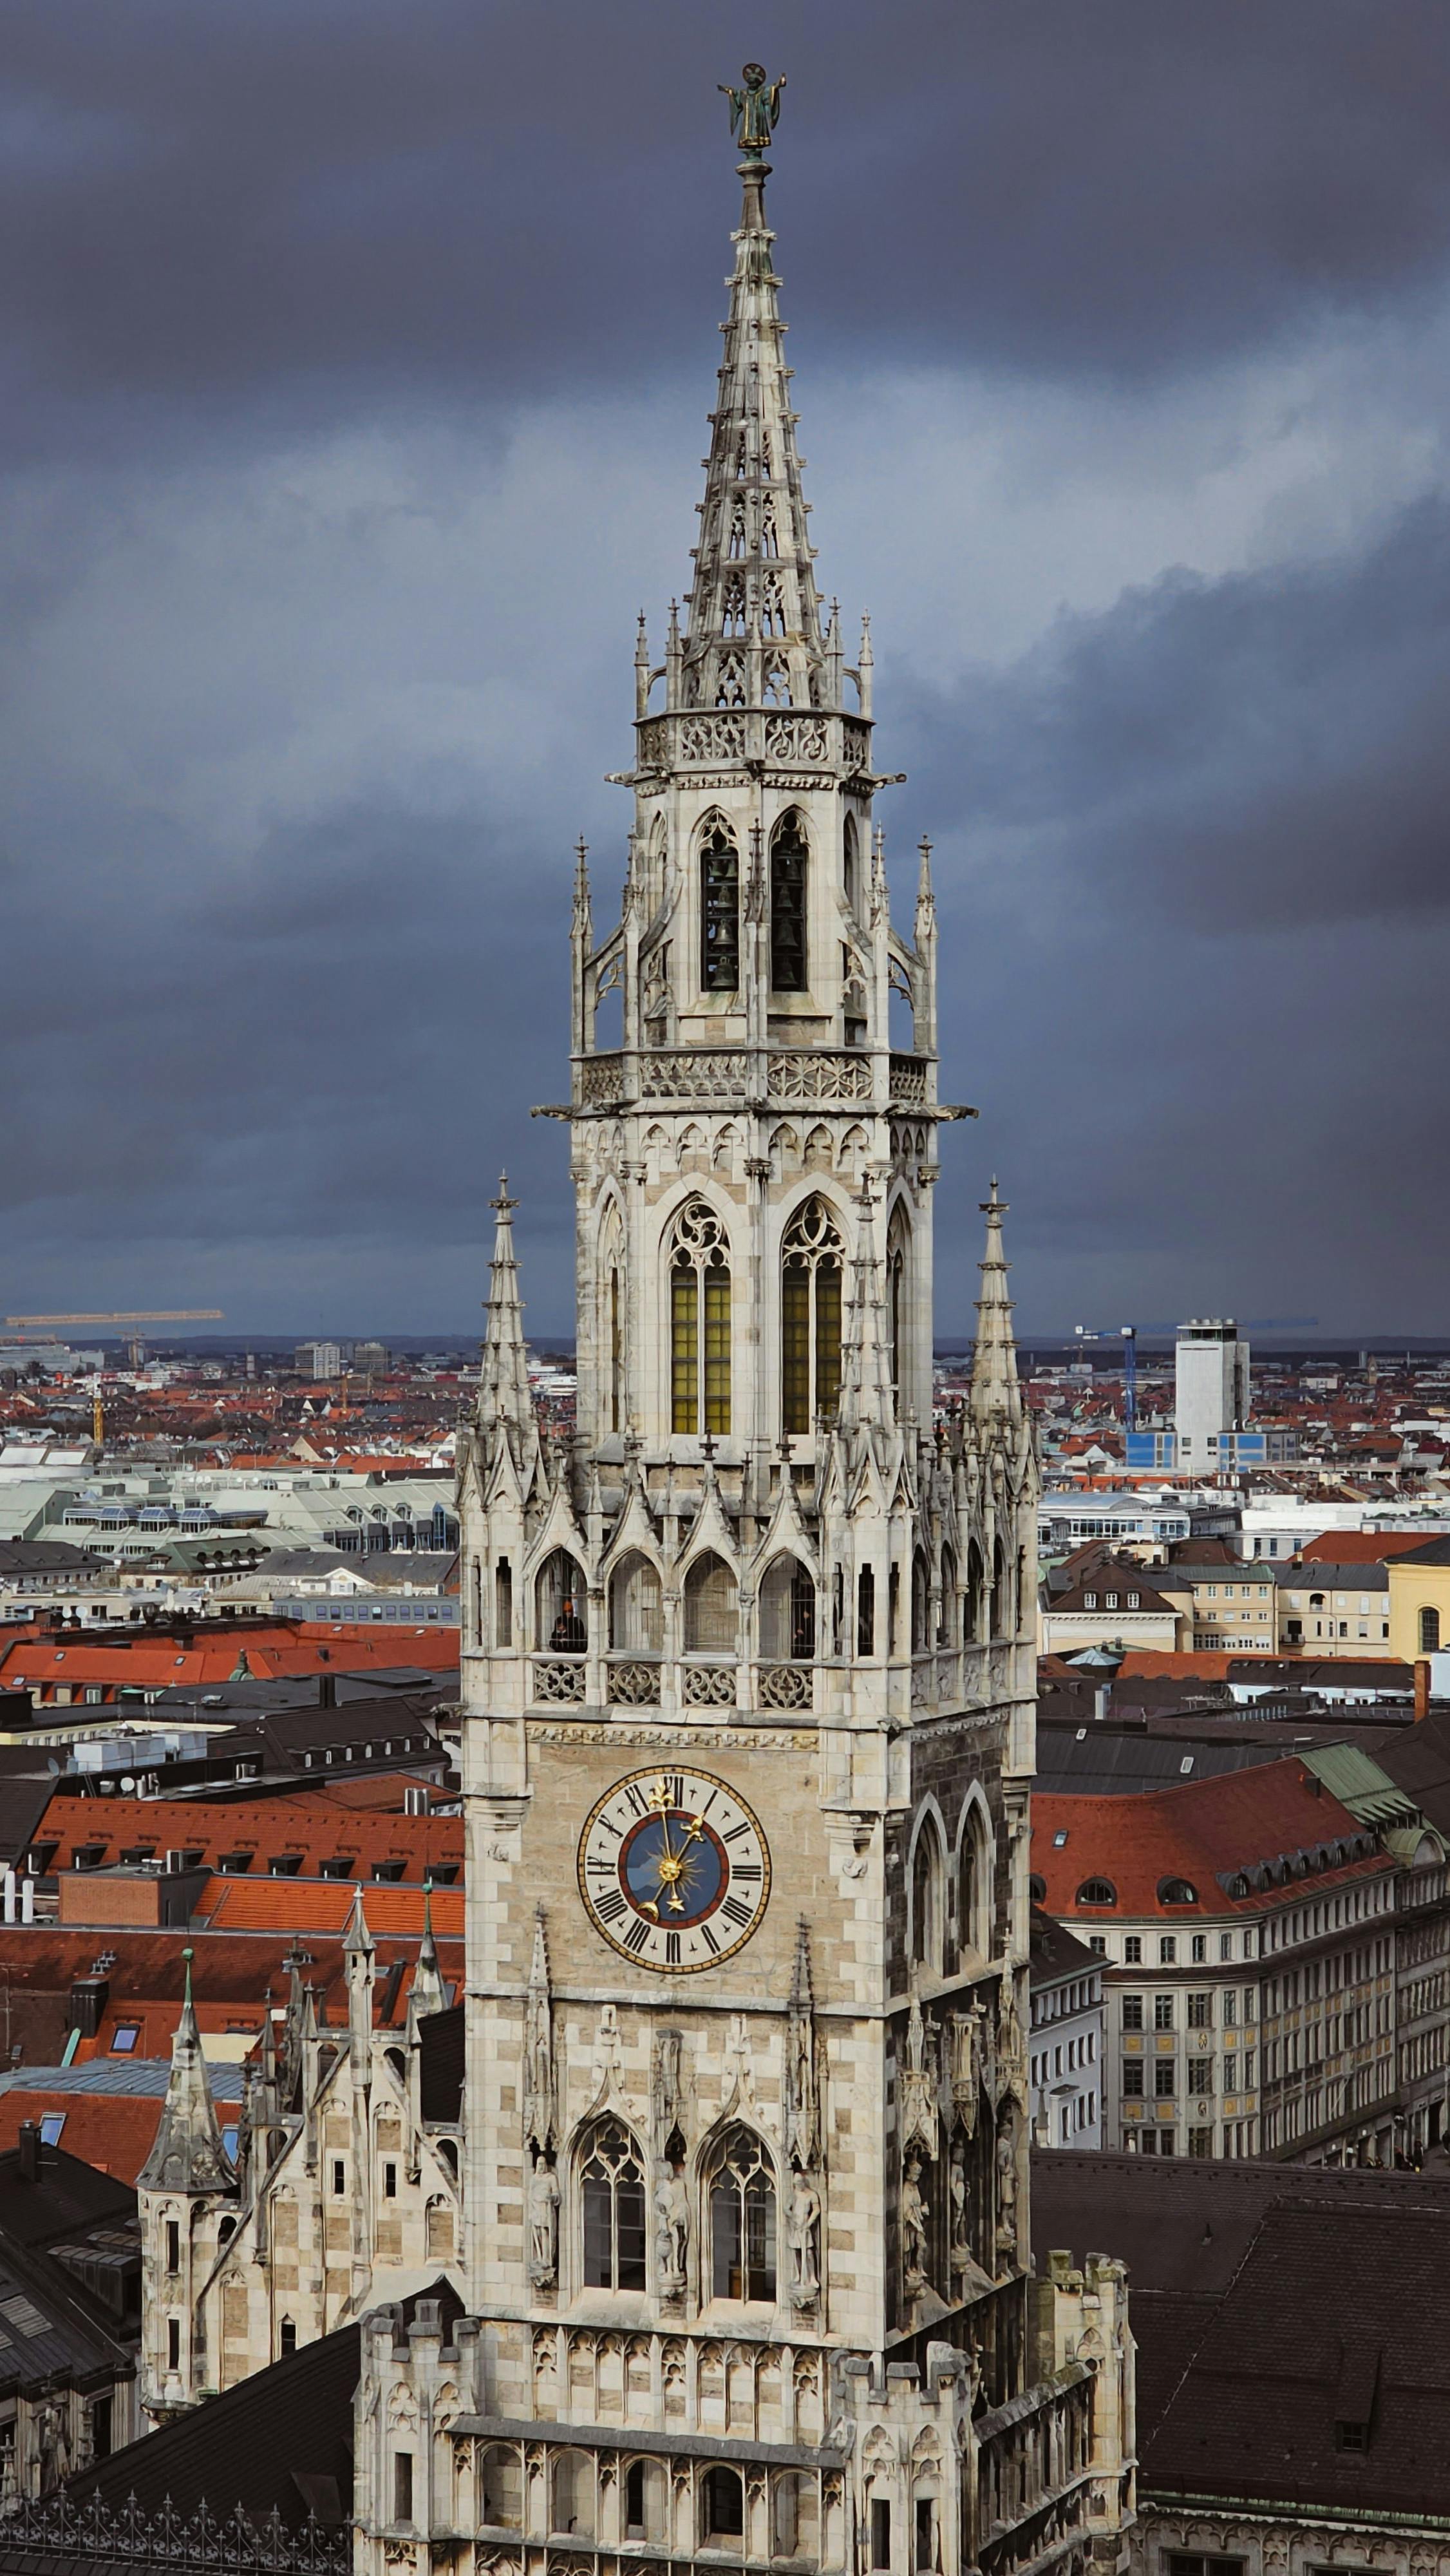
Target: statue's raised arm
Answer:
pixel 755 109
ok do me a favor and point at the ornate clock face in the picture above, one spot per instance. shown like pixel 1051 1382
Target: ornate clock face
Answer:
pixel 674 1870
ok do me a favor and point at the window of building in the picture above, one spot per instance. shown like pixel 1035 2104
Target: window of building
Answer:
pixel 124 2038
pixel 1200 1948
pixel 719 911
pixel 173 2343
pixel 339 2178
pixel 1164 2083
pixel 402 2486
pixel 880 2532
pixel 1429 1631
pixel 1132 2078
pixel 810 1317
pixel 1200 2142
pixel 1200 2012
pixel 1162 2012
pixel 724 2500
pixel 712 1607
pixel 866 1611
pixel 699 1322
pixel 1133 1950
pixel 51 2125
pixel 286 2337
pixel 1200 2074
pixel 788 869
pixel 1132 2012
pixel 613 2197
pixel 1167 1949
pixel 742 2220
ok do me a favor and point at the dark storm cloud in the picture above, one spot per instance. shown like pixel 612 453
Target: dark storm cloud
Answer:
pixel 1270 748
pixel 285 916
pixel 265 204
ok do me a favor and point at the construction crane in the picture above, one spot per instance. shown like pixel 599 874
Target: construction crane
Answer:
pixel 1128 1335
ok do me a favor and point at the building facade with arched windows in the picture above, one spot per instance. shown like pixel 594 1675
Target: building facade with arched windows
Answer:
pixel 747 1687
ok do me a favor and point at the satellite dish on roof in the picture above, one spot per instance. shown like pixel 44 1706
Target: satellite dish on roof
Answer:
pixel 128 1785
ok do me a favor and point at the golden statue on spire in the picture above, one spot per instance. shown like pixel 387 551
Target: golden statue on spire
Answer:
pixel 755 109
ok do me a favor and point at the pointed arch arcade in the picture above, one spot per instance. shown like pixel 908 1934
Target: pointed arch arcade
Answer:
pixel 789 869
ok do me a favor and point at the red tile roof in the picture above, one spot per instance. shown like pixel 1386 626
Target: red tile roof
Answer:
pixel 1363 1547
pixel 317 1830
pixel 1197 1832
pixel 115 2132
pixel 36 1657
pixel 310 1905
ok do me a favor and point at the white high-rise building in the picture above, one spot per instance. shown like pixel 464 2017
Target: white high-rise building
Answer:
pixel 1211 1394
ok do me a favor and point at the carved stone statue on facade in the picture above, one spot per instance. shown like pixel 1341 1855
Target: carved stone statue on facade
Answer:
pixel 915 2221
pixel 543 2224
pixel 803 2223
pixel 539 2097
pixel 672 2222
pixel 755 109
pixel 919 2083
pixel 1007 2187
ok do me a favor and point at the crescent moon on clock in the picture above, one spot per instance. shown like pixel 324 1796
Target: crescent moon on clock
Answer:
pixel 674 1870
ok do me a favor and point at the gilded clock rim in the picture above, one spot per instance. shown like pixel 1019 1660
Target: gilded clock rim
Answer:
pixel 677 1967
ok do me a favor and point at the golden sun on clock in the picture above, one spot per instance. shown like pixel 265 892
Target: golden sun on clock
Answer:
pixel 674 1870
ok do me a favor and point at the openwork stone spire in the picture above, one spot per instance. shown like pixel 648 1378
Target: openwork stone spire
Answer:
pixel 996 1396
pixel 503 1381
pixel 188 2154
pixel 755 628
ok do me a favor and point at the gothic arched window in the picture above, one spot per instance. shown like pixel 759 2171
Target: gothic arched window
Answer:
pixel 742 2219
pixel 976 1594
pixel 788 858
pixel 712 1607
pixel 612 2200
pixel 810 1317
pixel 926 1901
pixel 946 1614
pixel 636 1612
pixel 851 865
pixel 898 1239
pixel 788 1613
pixel 561 1606
pixel 974 1885
pixel 920 1603
pixel 866 1611
pixel 699 1321
pixel 999 1590
pixel 719 910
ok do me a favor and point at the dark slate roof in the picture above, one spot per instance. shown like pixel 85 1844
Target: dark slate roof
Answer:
pixel 1329 2253
pixel 66 2198
pixel 1320 1574
pixel 1436 1551
pixel 1056 1953
pixel 1336 2316
pixel 1417 1759
pixel 440 2065
pixel 281 2439
pixel 1126 1761
pixel 45 1556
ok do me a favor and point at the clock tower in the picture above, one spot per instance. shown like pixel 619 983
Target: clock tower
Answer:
pixel 747 1690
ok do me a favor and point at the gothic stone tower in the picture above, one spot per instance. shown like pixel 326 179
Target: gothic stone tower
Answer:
pixel 748 1673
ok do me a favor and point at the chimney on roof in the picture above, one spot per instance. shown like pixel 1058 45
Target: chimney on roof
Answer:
pixel 29 2146
pixel 327 1690
pixel 1422 1688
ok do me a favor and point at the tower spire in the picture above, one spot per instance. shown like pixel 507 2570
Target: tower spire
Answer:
pixel 996 1396
pixel 187 2154
pixel 503 1378
pixel 755 622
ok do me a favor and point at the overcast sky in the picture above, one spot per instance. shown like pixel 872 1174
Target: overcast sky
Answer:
pixel 355 359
